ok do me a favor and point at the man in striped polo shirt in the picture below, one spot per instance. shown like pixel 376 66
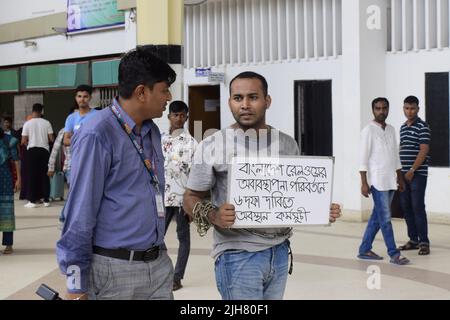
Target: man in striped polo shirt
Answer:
pixel 414 146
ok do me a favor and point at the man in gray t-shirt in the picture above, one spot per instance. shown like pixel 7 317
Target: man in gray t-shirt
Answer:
pixel 250 263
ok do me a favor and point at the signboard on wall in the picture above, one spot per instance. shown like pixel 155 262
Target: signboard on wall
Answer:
pixel 202 72
pixel 216 77
pixel 92 14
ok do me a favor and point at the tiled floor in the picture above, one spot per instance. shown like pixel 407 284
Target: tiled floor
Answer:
pixel 325 266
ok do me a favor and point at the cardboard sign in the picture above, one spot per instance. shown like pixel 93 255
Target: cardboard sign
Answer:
pixel 278 192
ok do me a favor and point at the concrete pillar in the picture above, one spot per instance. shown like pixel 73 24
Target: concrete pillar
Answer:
pixel 160 23
pixel 364 44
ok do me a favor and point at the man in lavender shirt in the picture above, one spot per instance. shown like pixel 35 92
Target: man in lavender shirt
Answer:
pixel 112 244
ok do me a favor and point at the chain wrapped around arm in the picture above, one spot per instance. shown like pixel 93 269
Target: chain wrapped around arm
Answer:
pixel 200 216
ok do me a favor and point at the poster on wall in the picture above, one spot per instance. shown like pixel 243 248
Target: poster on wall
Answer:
pixel 93 14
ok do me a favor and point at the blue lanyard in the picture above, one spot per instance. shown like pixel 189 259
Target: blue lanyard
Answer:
pixel 136 145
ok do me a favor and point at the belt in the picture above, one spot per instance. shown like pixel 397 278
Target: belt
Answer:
pixel 130 255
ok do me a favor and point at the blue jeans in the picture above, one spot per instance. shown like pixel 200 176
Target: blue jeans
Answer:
pixel 67 175
pixel 412 201
pixel 184 238
pixel 261 275
pixel 380 219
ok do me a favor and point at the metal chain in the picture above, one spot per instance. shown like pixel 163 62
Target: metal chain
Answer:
pixel 200 216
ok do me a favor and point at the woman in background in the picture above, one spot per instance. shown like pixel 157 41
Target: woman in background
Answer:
pixel 8 153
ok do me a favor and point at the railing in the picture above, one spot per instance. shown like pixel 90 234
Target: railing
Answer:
pixel 418 25
pixel 237 32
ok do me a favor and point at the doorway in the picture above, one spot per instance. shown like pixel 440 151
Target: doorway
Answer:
pixel 204 110
pixel 57 105
pixel 313 117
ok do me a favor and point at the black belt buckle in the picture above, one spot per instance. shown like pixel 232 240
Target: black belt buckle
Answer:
pixel 150 254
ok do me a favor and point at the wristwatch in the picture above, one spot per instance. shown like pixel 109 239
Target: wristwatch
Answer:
pixel 412 169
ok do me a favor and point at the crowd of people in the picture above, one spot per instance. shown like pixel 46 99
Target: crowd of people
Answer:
pixel 128 181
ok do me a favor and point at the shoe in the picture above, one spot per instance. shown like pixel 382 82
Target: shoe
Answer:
pixel 370 255
pixel 46 204
pixel 424 250
pixel 177 285
pixel 409 246
pixel 399 260
pixel 30 205
pixel 8 250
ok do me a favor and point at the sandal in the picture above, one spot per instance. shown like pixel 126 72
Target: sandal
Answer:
pixel 424 250
pixel 399 260
pixel 409 246
pixel 370 255
pixel 8 250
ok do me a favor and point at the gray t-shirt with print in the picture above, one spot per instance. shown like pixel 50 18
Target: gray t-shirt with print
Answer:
pixel 210 172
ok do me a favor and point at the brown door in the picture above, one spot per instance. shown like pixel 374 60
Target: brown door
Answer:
pixel 204 108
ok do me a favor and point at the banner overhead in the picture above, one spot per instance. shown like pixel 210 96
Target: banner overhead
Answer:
pixel 92 14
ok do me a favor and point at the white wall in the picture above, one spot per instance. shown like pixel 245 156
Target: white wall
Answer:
pixel 58 47
pixel 16 10
pixel 405 75
pixel 280 78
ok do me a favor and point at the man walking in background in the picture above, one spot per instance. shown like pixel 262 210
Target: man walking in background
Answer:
pixel 178 149
pixel 37 133
pixel 83 95
pixel 380 176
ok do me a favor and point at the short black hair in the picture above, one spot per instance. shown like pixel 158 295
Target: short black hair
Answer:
pixel 379 99
pixel 411 100
pixel 37 107
pixel 8 118
pixel 141 66
pixel 252 75
pixel 84 87
pixel 178 106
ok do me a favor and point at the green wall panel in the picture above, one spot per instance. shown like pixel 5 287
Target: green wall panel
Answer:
pixel 45 76
pixel 65 75
pixel 105 72
pixel 82 76
pixel 9 80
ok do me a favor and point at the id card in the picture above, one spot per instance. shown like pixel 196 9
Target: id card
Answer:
pixel 160 205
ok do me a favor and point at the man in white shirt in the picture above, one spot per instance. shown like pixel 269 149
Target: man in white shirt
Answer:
pixel 178 149
pixel 380 176
pixel 37 133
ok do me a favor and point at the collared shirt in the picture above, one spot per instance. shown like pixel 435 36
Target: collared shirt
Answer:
pixel 178 154
pixel 379 156
pixel 112 202
pixel 55 151
pixel 411 137
pixel 75 120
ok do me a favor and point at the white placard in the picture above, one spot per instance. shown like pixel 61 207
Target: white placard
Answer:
pixel 285 191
